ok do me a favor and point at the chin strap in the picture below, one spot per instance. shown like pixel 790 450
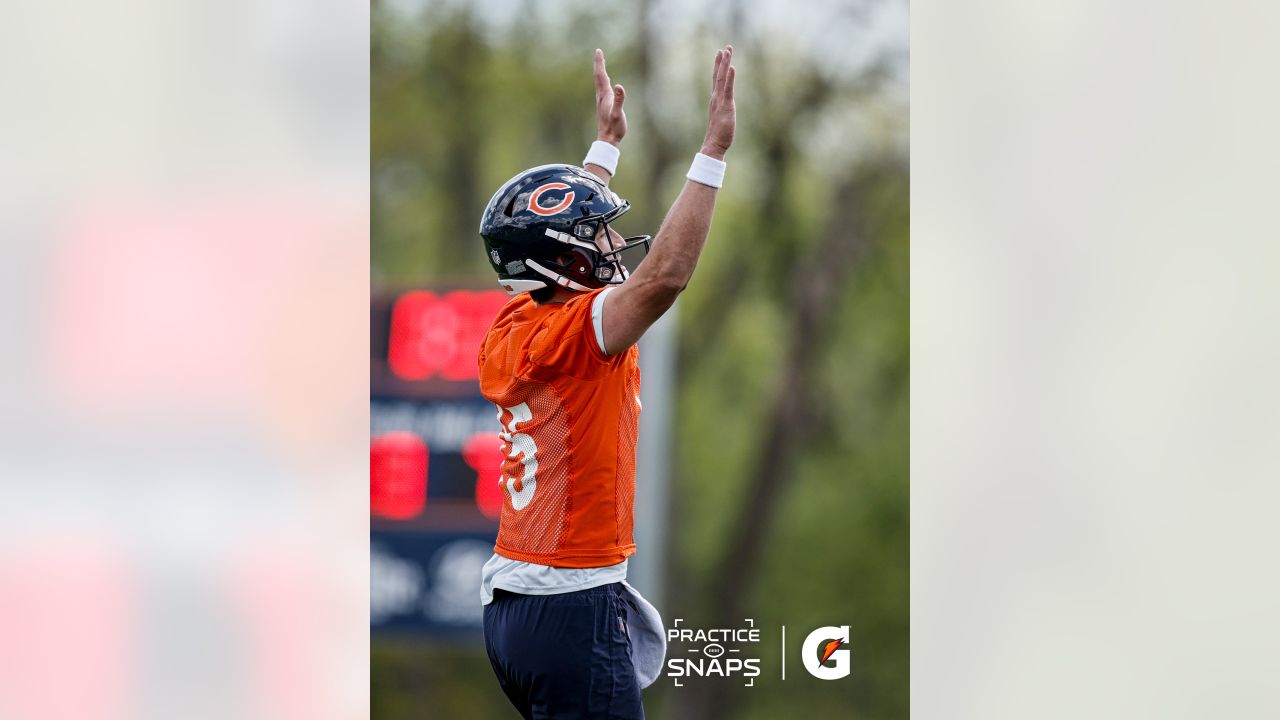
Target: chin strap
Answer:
pixel 559 279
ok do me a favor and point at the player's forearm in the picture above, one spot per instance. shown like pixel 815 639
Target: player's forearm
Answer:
pixel 678 245
pixel 665 272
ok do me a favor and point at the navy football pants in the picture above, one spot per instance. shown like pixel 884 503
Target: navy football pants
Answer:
pixel 564 656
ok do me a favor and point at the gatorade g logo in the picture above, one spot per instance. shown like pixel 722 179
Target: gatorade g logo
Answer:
pixel 825 652
pixel 535 203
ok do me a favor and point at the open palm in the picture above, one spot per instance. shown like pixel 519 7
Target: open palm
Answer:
pixel 611 121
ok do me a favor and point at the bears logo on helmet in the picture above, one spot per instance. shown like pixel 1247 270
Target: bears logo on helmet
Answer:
pixel 537 207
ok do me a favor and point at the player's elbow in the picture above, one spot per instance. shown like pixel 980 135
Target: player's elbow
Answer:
pixel 654 291
pixel 669 287
pixel 659 290
pixel 662 294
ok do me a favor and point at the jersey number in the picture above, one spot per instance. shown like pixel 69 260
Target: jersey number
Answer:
pixel 515 445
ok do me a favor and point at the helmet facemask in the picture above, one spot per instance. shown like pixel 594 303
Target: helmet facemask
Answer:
pixel 588 266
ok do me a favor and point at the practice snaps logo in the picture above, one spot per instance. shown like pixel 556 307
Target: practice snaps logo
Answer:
pixel 825 652
pixel 715 652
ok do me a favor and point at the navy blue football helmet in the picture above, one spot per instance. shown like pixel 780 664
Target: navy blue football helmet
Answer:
pixel 540 228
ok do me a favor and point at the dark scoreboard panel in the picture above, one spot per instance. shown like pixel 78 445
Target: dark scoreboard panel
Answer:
pixel 434 460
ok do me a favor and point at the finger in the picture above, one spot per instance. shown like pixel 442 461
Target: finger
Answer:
pixel 728 83
pixel 715 71
pixel 619 95
pixel 601 75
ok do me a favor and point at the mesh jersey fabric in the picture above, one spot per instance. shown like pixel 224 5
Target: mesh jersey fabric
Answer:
pixel 569 416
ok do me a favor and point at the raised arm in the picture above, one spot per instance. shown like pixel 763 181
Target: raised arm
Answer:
pixel 611 121
pixel 637 303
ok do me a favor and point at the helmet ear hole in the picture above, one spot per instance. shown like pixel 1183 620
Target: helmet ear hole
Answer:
pixel 579 264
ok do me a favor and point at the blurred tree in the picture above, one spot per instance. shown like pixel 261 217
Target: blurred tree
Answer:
pixel 789 499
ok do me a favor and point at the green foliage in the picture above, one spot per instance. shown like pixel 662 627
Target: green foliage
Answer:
pixel 460 104
pixel 407 681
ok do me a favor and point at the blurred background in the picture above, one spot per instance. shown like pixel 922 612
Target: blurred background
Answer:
pixel 184 424
pixel 773 472
pixel 183 246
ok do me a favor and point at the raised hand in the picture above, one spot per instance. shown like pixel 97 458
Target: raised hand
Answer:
pixel 722 117
pixel 611 121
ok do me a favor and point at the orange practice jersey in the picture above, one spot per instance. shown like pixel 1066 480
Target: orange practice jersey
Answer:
pixel 569 416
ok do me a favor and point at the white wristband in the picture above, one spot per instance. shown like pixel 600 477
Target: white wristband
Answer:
pixel 605 155
pixel 707 170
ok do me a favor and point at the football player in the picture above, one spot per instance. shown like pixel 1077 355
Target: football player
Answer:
pixel 566 635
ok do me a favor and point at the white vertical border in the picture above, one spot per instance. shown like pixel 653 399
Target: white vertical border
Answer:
pixel 1094 347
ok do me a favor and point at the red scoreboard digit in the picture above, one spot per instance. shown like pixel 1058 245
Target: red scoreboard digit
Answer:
pixel 427 411
pixel 397 475
pixel 439 336
pixel 484 455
